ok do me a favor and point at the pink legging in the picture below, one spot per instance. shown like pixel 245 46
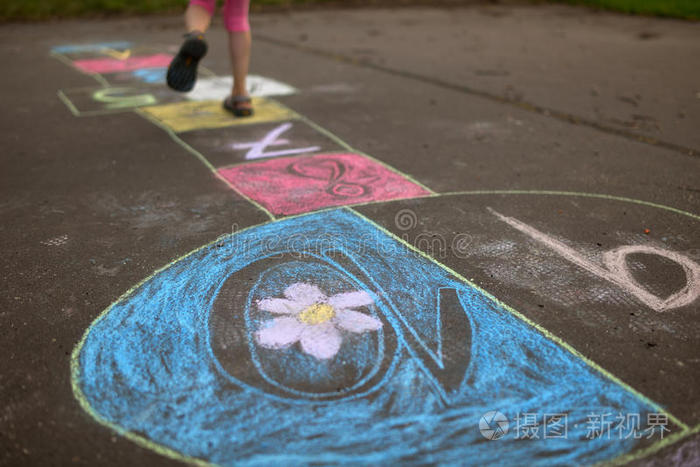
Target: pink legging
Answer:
pixel 235 12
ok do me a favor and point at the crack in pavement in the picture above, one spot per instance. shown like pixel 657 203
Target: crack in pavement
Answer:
pixel 523 105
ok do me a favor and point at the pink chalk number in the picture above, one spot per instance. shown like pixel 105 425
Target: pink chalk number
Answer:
pixel 293 185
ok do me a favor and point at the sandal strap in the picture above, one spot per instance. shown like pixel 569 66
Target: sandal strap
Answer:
pixel 194 35
pixel 240 99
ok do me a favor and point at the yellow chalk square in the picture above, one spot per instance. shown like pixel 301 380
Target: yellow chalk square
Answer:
pixel 193 115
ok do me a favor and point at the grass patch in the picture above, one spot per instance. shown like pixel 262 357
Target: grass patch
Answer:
pixel 23 10
pixel 45 9
pixel 686 9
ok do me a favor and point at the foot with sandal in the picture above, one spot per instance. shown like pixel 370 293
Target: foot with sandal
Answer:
pixel 182 72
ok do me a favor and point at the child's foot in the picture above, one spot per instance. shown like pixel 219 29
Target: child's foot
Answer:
pixel 182 72
pixel 240 106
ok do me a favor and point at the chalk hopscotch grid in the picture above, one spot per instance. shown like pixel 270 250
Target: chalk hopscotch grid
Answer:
pixel 174 136
pixel 200 156
pixel 628 457
pixel 105 84
pixel 203 159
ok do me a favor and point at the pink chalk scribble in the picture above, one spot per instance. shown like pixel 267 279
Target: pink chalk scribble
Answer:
pixel 113 65
pixel 293 185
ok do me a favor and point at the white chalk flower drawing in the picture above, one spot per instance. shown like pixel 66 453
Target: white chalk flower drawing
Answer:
pixel 315 320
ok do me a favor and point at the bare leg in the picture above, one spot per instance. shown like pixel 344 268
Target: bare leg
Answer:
pixel 197 18
pixel 239 49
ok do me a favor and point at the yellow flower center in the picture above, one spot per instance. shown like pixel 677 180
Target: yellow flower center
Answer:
pixel 317 313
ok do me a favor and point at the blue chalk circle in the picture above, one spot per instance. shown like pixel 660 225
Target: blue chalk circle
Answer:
pixel 324 339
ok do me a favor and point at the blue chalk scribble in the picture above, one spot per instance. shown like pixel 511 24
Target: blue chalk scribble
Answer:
pixel 177 362
pixel 151 75
pixel 79 48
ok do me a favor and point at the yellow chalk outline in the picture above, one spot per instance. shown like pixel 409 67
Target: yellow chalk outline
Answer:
pixel 201 158
pixel 572 193
pixel 508 192
pixel 342 143
pixel 67 61
pixel 75 372
pixel 74 110
pixel 116 54
pixel 654 448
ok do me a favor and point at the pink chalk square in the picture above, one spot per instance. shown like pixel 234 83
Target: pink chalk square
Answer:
pixel 293 185
pixel 113 65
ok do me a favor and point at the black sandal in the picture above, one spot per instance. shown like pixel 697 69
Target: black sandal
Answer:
pixel 233 105
pixel 182 72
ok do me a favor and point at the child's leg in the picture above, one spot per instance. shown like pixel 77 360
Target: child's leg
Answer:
pixel 239 48
pixel 236 22
pixel 198 15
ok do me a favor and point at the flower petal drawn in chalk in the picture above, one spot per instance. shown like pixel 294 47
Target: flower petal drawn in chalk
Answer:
pixel 356 322
pixel 321 341
pixel 280 333
pixel 305 294
pixel 281 306
pixel 350 299
pixel 310 317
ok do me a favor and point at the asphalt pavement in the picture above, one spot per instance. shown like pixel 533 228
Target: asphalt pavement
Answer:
pixel 525 182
